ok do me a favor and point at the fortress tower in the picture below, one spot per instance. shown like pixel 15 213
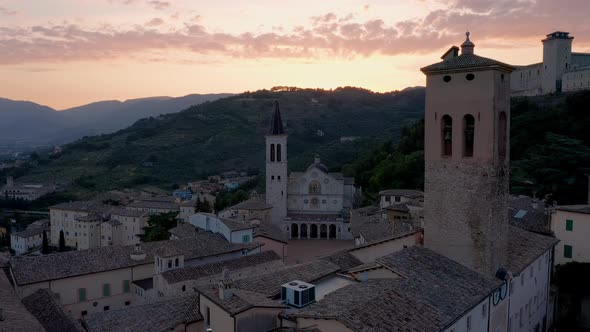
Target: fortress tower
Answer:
pixel 276 167
pixel 467 123
pixel 557 53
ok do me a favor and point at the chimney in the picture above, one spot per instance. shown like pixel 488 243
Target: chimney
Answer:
pixel 226 286
pixel 534 204
pixel 316 159
pixel 9 181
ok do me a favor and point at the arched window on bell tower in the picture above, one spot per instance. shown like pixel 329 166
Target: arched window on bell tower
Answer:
pixel 272 152
pixel 447 135
pixel 502 135
pixel 468 135
pixel 278 152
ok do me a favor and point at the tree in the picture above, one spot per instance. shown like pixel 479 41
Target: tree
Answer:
pixel 45 247
pixel 158 227
pixel 206 206
pixel 62 241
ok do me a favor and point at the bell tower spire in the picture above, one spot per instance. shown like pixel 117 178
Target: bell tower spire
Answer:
pixel 276 166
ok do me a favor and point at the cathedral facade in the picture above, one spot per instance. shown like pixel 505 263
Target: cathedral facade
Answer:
pixel 314 204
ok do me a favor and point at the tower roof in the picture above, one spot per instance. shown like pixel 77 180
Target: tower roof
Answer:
pixel 276 124
pixel 466 61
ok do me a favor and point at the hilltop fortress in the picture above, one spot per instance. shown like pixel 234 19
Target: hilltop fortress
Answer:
pixel 561 69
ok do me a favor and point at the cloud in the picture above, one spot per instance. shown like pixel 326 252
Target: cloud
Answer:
pixel 7 12
pixel 155 22
pixel 159 5
pixel 327 36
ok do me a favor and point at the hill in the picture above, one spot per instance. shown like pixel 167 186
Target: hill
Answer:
pixel 25 125
pixel 229 134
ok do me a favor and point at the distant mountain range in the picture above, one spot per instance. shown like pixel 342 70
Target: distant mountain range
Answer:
pixel 24 124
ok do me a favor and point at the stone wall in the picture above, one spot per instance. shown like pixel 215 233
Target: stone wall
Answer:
pixel 466 214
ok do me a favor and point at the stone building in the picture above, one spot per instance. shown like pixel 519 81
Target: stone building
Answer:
pixel 30 239
pixel 467 158
pixel 312 204
pixel 571 225
pixel 561 69
pixel 26 191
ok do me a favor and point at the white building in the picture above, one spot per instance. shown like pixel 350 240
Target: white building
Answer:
pixel 560 70
pixel 31 238
pixel 25 191
pixel 571 225
pixel 311 204
pixel 232 230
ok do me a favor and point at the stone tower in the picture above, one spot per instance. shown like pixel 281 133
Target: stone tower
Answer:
pixel 467 123
pixel 276 167
pixel 557 59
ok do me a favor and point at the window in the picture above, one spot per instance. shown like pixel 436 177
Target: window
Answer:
pixel 569 225
pixel 469 135
pixel 106 290
pixel 387 199
pixel 126 287
pixel 106 308
pixel 503 135
pixel 127 303
pixel 315 187
pixel 208 316
pixel 176 262
pixel 397 199
pixel 81 294
pixel 567 251
pixel 183 288
pixel 484 310
pixel 468 323
pixel 278 177
pixel 84 313
pixel 278 152
pixel 245 238
pixel 169 263
pixel 272 152
pixel 447 135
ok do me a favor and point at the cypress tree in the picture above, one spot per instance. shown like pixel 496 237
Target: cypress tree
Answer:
pixel 62 241
pixel 45 247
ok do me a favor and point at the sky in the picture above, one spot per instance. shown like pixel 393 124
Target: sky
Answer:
pixel 65 53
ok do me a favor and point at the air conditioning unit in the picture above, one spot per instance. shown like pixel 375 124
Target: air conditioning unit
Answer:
pixel 298 293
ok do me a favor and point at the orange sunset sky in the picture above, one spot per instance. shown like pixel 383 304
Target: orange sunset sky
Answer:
pixel 64 53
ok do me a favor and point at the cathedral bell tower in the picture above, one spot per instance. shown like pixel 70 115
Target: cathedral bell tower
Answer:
pixel 276 167
pixel 467 126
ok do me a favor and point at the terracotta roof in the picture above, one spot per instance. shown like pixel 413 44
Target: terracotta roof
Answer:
pixel 270 283
pixel 431 293
pixel 466 61
pixel 235 225
pixel 276 123
pixel 252 204
pixel 206 270
pixel 524 247
pixel 34 269
pixel 83 206
pixel 401 207
pixel 157 205
pixel 270 231
pixel 44 306
pixel 128 212
pixel 150 317
pixel 343 259
pixel 240 301
pixel 184 230
pixel 31 231
pixel 16 316
pixel 523 213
